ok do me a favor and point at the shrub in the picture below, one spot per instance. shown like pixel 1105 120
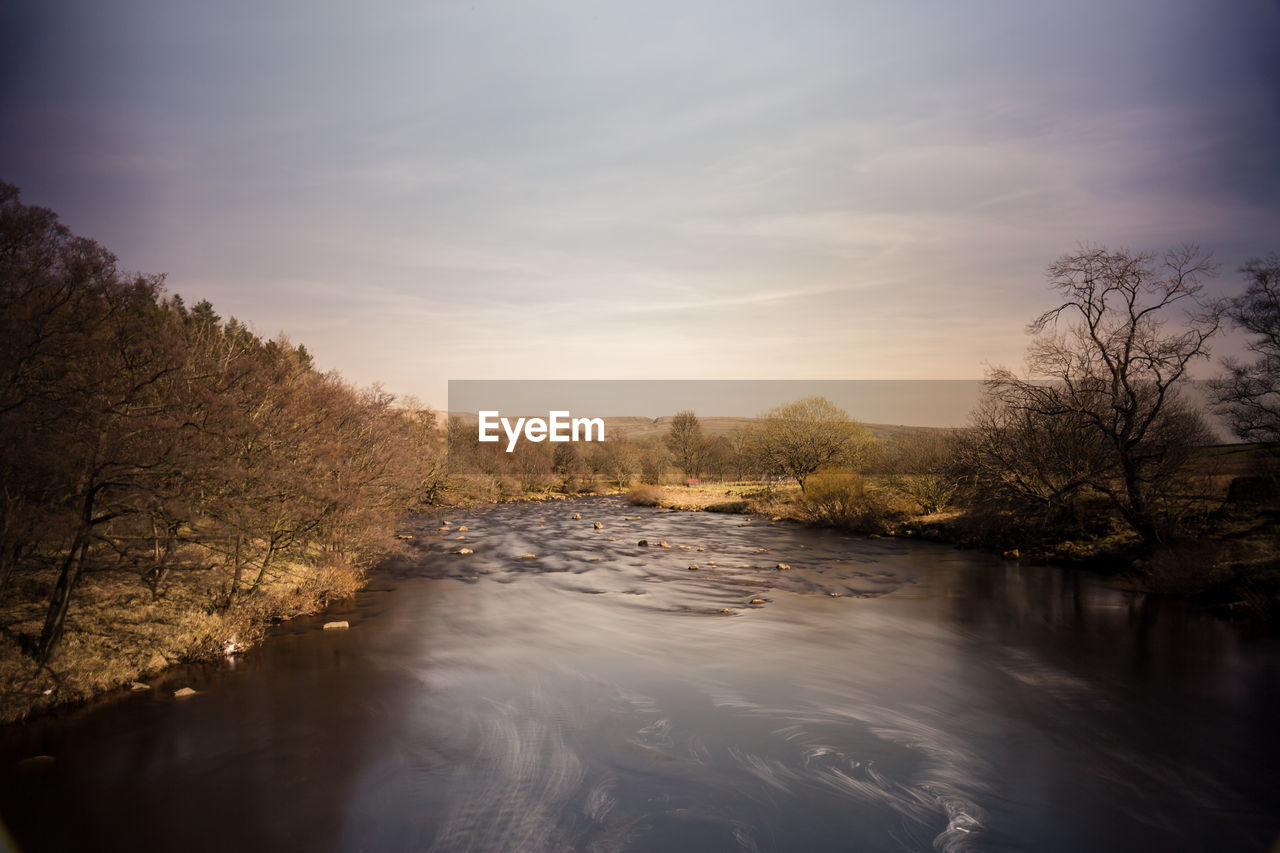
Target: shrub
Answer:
pixel 729 507
pixel 834 496
pixel 645 495
pixel 1186 569
pixel 838 497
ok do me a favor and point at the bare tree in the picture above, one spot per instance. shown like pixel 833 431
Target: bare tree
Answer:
pixel 1016 459
pixel 566 464
pixel 1249 395
pixel 921 465
pixel 654 459
pixel 718 462
pixel 533 466
pixel 1112 359
pixel 799 438
pixel 686 442
pixel 137 435
pixel 617 459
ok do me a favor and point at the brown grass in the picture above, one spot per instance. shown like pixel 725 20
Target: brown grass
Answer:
pixel 117 632
pixel 646 495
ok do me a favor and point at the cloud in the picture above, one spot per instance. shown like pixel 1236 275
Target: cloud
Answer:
pixel 822 189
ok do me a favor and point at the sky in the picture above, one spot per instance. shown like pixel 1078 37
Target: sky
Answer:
pixel 425 191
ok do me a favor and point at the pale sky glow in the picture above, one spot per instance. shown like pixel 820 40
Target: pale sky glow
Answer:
pixel 425 191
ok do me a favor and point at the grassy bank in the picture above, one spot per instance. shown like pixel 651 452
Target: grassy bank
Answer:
pixel 118 632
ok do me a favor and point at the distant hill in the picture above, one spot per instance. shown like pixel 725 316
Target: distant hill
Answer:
pixel 640 428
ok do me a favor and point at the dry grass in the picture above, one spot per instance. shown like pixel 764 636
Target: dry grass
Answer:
pixel 117 632
pixel 646 495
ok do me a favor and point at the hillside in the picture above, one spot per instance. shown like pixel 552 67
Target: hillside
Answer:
pixel 641 428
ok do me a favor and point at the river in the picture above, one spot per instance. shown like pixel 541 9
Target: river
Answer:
pixel 599 695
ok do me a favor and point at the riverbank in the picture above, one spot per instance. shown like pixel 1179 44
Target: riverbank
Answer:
pixel 1228 563
pixel 120 634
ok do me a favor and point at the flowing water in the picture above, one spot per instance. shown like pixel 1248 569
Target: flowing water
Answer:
pixel 878 695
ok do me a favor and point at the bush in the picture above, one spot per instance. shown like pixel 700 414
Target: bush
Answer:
pixel 729 507
pixel 838 497
pixel 1185 569
pixel 921 466
pixel 645 496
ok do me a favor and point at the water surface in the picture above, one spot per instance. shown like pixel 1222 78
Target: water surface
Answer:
pixel 878 695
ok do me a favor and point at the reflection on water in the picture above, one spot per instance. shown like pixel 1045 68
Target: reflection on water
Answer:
pixel 878 695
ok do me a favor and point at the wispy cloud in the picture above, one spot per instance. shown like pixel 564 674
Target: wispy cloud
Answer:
pixel 431 190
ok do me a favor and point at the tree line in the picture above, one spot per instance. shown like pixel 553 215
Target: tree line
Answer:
pixel 139 434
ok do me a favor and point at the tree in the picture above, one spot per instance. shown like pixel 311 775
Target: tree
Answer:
pixel 567 465
pixel 1249 395
pixel 719 462
pixel 1107 356
pixel 921 465
pixel 85 436
pixel 799 438
pixel 617 459
pixel 742 457
pixel 686 442
pixel 139 436
pixel 653 459
pixel 533 466
pixel 1022 461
